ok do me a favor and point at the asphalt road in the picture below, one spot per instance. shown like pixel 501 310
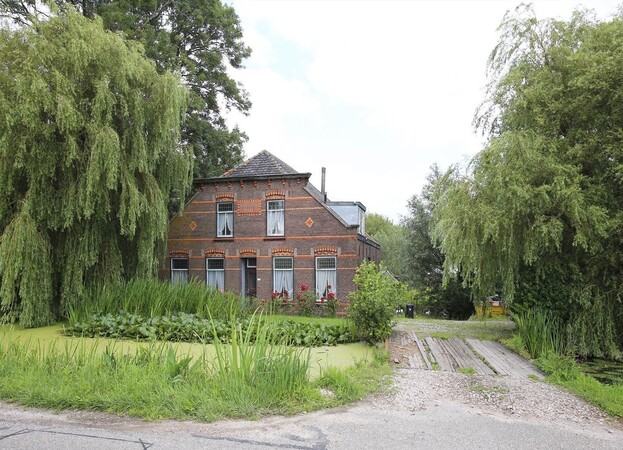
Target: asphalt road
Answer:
pixel 442 425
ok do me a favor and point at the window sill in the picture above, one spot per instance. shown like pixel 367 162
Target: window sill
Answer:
pixel 275 238
pixel 224 239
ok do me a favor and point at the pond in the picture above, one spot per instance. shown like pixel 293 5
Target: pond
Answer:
pixel 604 371
pixel 340 356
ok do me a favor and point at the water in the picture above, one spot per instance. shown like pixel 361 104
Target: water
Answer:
pixel 606 372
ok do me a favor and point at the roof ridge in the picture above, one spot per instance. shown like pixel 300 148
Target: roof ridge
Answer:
pixel 262 164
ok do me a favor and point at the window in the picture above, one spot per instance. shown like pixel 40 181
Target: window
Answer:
pixel 275 218
pixel 225 219
pixel 326 276
pixel 179 270
pixel 215 273
pixel 283 275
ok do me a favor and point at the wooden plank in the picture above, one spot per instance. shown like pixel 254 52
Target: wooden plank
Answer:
pixel 445 361
pixel 420 347
pixel 520 365
pixel 465 357
pixel 503 360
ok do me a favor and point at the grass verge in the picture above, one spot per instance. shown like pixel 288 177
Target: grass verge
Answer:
pixel 157 381
pixel 564 371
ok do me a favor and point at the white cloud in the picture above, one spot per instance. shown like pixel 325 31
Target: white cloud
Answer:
pixel 376 91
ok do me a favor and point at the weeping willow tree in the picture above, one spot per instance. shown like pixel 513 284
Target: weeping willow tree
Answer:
pixel 539 212
pixel 89 151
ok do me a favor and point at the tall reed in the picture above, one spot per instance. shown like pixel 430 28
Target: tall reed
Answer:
pixel 250 364
pixel 541 332
pixel 154 298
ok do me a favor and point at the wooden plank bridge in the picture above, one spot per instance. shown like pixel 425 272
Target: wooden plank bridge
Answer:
pixel 454 355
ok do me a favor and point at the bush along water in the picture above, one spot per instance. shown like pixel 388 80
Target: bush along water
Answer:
pixel 183 327
pixel 372 305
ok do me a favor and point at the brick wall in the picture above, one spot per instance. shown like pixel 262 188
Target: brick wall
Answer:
pixel 310 230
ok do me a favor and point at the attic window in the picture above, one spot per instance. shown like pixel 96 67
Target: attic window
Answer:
pixel 225 219
pixel 275 217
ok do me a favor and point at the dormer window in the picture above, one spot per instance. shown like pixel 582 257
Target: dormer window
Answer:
pixel 225 219
pixel 275 217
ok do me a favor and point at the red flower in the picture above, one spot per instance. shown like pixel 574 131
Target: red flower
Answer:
pixel 331 296
pixel 304 287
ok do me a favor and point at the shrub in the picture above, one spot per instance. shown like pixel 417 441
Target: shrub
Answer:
pixel 373 304
pixel 306 300
pixel 182 327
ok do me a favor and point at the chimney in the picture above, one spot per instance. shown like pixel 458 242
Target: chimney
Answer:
pixel 322 184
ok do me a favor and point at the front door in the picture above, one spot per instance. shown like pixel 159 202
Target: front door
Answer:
pixel 249 277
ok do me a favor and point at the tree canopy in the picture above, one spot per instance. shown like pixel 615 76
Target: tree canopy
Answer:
pixel 200 40
pixel 393 241
pixel 89 151
pixel 542 203
pixel 425 261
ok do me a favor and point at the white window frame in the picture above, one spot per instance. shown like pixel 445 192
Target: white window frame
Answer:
pixel 283 277
pixel 222 218
pixel 215 277
pixel 275 217
pixel 179 275
pixel 325 276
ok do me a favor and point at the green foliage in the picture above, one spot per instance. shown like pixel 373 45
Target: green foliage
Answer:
pixel 91 376
pixel 541 332
pixel 201 40
pixel 89 152
pixel 303 304
pixel 425 261
pixel 564 371
pixel 150 297
pixel 372 305
pixel 539 213
pixel 183 327
pixel 394 240
pixel 252 363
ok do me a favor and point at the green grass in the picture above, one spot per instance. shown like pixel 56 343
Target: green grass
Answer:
pixel 467 370
pixel 183 381
pixel 153 298
pixel 492 330
pixel 541 332
pixel 563 371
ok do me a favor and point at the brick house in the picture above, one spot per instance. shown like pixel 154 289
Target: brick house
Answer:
pixel 262 227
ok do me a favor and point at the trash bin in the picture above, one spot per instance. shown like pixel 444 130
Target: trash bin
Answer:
pixel 409 311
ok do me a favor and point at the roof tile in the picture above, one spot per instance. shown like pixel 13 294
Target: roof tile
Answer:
pixel 262 164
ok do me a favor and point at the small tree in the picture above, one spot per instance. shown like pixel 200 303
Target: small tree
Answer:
pixel 373 304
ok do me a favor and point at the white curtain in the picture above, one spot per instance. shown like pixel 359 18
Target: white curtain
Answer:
pixel 275 223
pixel 225 225
pixel 283 281
pixel 216 279
pixel 324 279
pixel 179 276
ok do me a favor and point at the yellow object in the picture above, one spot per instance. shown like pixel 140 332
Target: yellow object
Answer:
pixel 493 310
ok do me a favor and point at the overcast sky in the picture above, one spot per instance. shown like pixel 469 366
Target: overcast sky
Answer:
pixel 375 91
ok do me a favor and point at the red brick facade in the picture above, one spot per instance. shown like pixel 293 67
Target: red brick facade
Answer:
pixel 312 230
